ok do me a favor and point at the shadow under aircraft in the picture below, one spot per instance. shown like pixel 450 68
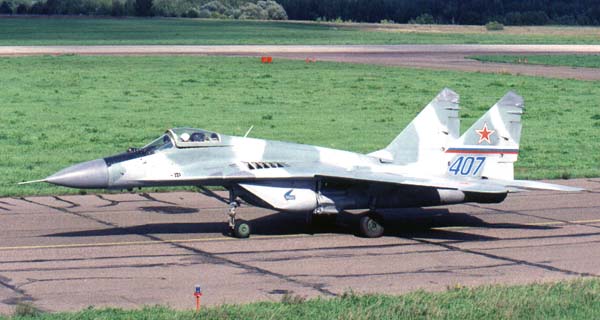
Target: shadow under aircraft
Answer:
pixel 403 223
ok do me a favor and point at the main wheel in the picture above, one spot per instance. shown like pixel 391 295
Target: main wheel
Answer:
pixel 370 227
pixel 241 230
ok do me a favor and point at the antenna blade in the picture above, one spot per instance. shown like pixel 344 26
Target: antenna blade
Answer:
pixel 248 132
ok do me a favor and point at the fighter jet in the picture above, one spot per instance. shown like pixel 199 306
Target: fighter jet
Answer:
pixel 427 164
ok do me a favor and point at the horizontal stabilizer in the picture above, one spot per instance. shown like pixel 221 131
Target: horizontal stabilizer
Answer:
pixel 537 185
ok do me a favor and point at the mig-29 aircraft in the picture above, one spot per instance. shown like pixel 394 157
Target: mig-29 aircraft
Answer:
pixel 427 164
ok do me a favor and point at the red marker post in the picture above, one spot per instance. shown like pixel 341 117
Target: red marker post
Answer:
pixel 198 294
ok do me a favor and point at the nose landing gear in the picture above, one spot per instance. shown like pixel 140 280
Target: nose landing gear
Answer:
pixel 240 228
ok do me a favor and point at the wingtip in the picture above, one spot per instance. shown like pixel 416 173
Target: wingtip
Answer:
pixel 575 189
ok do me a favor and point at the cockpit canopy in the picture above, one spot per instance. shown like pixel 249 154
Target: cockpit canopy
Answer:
pixel 190 137
pixel 161 143
pixel 181 138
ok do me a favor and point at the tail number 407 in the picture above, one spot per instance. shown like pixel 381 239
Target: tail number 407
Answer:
pixel 466 166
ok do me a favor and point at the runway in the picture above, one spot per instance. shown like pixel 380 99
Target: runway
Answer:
pixel 441 57
pixel 128 250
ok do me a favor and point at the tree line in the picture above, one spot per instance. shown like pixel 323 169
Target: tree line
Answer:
pixel 478 12
pixel 474 12
pixel 224 9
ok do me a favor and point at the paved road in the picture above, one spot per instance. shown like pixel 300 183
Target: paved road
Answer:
pixel 443 57
pixel 69 252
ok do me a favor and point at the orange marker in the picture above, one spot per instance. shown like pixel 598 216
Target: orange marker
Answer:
pixel 198 294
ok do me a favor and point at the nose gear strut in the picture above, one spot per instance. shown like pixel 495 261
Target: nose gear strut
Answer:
pixel 239 229
pixel 231 213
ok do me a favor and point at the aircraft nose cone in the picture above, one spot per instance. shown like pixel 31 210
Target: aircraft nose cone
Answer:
pixel 90 174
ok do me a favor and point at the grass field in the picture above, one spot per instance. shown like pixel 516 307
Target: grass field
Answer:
pixel 586 61
pixel 103 31
pixel 60 110
pixel 578 299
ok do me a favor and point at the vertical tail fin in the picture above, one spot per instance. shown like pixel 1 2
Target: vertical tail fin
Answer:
pixel 490 147
pixel 425 138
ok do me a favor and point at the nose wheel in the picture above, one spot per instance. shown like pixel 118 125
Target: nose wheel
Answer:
pixel 241 229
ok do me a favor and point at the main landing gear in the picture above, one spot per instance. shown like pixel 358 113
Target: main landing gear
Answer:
pixel 240 228
pixel 370 225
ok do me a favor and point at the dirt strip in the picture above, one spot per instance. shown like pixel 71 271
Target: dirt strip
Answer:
pixel 441 57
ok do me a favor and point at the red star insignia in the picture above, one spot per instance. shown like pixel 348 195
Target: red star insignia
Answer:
pixel 484 134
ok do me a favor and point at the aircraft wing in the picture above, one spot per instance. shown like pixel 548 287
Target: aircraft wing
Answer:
pixel 366 174
pixel 467 185
pixel 320 170
pixel 463 184
pixel 432 182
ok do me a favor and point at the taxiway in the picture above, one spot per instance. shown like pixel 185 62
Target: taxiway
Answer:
pixel 128 250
